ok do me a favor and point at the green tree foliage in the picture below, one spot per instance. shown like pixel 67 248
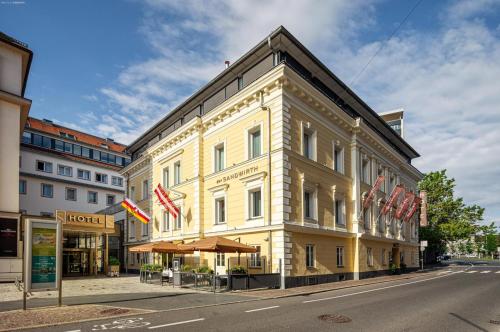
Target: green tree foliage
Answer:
pixel 489 238
pixel 448 217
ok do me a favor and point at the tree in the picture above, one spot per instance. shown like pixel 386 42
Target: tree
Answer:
pixel 489 238
pixel 449 219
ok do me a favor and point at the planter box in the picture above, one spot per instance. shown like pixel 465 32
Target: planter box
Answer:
pixel 114 270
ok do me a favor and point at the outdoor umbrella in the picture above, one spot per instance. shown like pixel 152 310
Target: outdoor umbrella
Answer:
pixel 218 244
pixel 160 247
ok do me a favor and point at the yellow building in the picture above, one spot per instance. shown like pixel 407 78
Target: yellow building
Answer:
pixel 276 152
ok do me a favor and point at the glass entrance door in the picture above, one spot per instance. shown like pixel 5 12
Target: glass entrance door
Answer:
pixel 75 263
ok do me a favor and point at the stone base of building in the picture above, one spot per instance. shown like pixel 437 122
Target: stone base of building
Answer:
pixel 298 281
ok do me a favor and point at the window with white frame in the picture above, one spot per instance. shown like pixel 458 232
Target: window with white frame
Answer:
pixel 166 221
pixel 254 142
pixel 220 210
pixel 339 207
pixel 220 259
pixel 177 173
pixel 64 170
pixel 369 256
pixel 145 189
pixel 310 259
pixel 365 170
pixel 100 177
pixel 255 203
pixel 71 194
pixel 22 187
pixel 178 220
pixel 44 166
pixel 340 256
pixel 309 143
pixel 255 260
pixel 166 177
pixel 92 197
pixel 219 157
pixel 309 204
pixel 110 200
pixel 338 158
pixel 83 174
pixel 117 181
pixel 47 190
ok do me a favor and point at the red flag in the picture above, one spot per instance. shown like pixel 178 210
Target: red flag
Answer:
pixel 371 194
pixel 423 209
pixel 412 209
pixel 133 209
pixel 405 204
pixel 166 201
pixel 393 198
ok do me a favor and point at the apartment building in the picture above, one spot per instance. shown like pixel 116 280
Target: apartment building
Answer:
pixel 15 63
pixel 278 153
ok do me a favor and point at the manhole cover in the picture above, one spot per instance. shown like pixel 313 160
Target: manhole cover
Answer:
pixel 335 318
pixel 497 322
pixel 114 311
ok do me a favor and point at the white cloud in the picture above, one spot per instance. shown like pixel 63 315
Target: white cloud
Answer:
pixel 446 79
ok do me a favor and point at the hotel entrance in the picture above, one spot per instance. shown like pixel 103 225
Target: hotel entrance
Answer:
pixel 76 263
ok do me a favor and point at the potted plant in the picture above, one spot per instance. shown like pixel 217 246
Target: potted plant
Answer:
pixel 393 268
pixel 238 269
pixel 114 267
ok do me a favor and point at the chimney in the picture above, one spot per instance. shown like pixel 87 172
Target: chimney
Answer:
pixel 227 63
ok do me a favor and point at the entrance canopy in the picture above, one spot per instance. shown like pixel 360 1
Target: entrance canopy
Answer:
pixel 218 244
pixel 160 247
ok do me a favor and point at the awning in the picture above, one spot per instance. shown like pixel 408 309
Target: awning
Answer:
pixel 160 247
pixel 218 244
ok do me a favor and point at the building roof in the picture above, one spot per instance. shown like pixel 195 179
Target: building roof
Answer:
pixel 310 68
pixel 47 126
pixel 26 62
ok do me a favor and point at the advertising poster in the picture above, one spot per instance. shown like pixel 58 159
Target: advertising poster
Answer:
pixel 43 249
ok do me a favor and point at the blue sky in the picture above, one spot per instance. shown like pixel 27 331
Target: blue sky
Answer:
pixel 113 68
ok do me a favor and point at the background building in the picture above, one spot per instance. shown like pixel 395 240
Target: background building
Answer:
pixel 15 62
pixel 278 153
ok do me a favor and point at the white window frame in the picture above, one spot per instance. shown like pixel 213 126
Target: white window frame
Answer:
pixel 145 189
pixel 256 258
pixel 220 259
pixel 66 193
pixel 218 198
pixel 215 155
pixel 311 254
pixel 84 171
pixel 25 187
pixel 310 188
pixel 41 190
pixel 177 173
pixel 337 147
pixel 340 252
pixel 312 146
pixel 165 221
pixel 45 164
pixel 96 196
pixel 103 176
pixel 144 229
pixel 342 216
pixel 166 177
pixel 249 142
pixel 64 168
pixel 250 202
pixel 117 181
pixel 179 219
pixel 114 199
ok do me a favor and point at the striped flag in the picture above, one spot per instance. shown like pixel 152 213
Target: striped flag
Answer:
pixel 166 201
pixel 393 198
pixel 412 209
pixel 405 204
pixel 134 210
pixel 375 188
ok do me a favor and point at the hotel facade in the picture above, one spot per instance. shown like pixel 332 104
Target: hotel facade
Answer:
pixel 276 152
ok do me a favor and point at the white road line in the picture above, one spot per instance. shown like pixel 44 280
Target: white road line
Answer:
pixel 260 309
pixel 498 272
pixel 176 323
pixel 487 271
pixel 74 331
pixel 377 289
pixel 471 272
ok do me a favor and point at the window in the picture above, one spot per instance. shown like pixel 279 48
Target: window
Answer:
pixel 220 210
pixel 70 194
pixel 85 152
pixel 26 138
pixel 58 145
pixel 77 149
pixel 384 255
pixel 309 143
pixel 145 189
pixel 166 221
pixel 338 158
pixel 255 203
pixel 47 190
pixel 367 218
pixel 145 229
pixel 255 260
pixel 96 155
pixel 166 176
pixel 46 214
pixel 392 183
pixel 64 170
pixel 381 223
pixel 132 193
pixel 46 142
pixel 310 255
pixel 221 259
pixel 178 220
pixel 309 205
pixel 380 172
pixel 340 256
pixel 92 197
pixel 68 147
pixel 177 173
pixel 339 212
pixel 219 157
pixel 117 181
pixel 44 166
pixel 369 256
pixel 365 171
pixel 255 143
pixel 22 187
pixel 102 178
pixel 110 200
pixel 84 174
pixel 8 244
pixel 131 229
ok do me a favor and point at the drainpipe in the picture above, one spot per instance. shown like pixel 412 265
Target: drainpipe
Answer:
pixel 125 227
pixel 269 201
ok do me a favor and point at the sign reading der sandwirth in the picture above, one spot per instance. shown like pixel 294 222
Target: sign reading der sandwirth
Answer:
pixel 238 174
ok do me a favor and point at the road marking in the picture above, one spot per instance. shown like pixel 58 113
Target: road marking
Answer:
pixel 177 323
pixel 73 331
pixel 488 271
pixel 260 309
pixel 377 289
pixel 498 272
pixel 471 272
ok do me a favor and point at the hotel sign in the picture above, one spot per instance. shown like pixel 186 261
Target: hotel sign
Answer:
pixel 80 220
pixel 239 174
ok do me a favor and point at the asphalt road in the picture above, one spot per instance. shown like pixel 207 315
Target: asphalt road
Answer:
pixel 448 301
